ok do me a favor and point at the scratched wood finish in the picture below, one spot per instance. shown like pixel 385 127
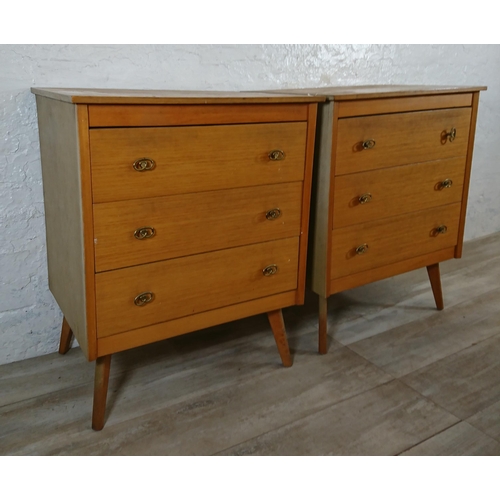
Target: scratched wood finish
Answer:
pixel 380 92
pixel 160 96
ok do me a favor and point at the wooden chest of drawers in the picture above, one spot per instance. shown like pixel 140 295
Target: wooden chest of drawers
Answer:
pixel 391 185
pixel 169 212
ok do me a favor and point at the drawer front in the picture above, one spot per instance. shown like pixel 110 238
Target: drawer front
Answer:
pixel 379 141
pixel 194 159
pixel 377 194
pixel 193 284
pixel 392 240
pixel 180 225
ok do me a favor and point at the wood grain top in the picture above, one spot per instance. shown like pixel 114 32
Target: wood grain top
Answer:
pixel 342 93
pixel 136 96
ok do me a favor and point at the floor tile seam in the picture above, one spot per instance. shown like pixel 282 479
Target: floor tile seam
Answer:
pixel 183 399
pixel 460 303
pixel 394 377
pixel 115 374
pixel 46 395
pixel 113 377
pixel 430 437
pixel 274 429
pixel 432 362
pixel 347 344
pixel 447 356
pixel 429 399
pixel 469 268
pixel 496 439
pixel 343 400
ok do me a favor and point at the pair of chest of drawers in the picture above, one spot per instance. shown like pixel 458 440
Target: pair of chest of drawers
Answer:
pixel 170 212
pixel 392 179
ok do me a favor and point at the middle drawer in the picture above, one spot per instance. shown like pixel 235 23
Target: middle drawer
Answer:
pixel 387 192
pixel 127 233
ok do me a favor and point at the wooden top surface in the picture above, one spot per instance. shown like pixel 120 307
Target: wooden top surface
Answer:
pixel 125 96
pixel 344 93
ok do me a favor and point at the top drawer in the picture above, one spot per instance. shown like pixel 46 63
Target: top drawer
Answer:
pixel 192 159
pixel 379 141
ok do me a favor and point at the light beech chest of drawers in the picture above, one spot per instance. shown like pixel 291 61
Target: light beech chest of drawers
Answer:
pixel 168 212
pixel 391 183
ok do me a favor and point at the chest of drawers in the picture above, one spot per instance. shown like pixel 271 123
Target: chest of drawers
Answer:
pixel 392 179
pixel 168 212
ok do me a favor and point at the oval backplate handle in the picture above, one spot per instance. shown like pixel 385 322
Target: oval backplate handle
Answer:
pixel 144 233
pixel 144 164
pixel 144 298
pixel 270 270
pixel 276 155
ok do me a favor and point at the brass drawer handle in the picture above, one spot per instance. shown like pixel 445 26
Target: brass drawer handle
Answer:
pixel 270 270
pixel 451 134
pixel 368 144
pixel 447 183
pixel 144 298
pixel 143 164
pixel 365 198
pixel 441 229
pixel 276 155
pixel 361 249
pixel 273 214
pixel 144 233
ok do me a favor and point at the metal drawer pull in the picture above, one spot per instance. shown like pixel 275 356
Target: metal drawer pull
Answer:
pixel 144 232
pixel 143 164
pixel 368 144
pixel 365 198
pixel 144 298
pixel 447 183
pixel 451 134
pixel 270 270
pixel 276 155
pixel 273 214
pixel 441 229
pixel 361 249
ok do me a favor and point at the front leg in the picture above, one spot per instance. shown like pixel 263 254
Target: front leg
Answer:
pixel 278 327
pixel 435 279
pixel 102 366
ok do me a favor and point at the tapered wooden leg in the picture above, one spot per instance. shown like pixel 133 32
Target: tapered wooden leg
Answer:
pixel 323 325
pixel 278 327
pixel 435 279
pixel 66 337
pixel 102 366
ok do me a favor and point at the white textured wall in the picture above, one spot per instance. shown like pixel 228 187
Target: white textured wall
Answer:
pixel 29 316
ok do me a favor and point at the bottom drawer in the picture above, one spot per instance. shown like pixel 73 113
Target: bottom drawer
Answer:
pixel 367 246
pixel 189 285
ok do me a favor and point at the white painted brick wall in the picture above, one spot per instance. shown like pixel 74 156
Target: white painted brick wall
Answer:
pixel 29 316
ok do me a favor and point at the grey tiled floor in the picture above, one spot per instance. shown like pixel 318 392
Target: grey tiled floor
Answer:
pixel 399 378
